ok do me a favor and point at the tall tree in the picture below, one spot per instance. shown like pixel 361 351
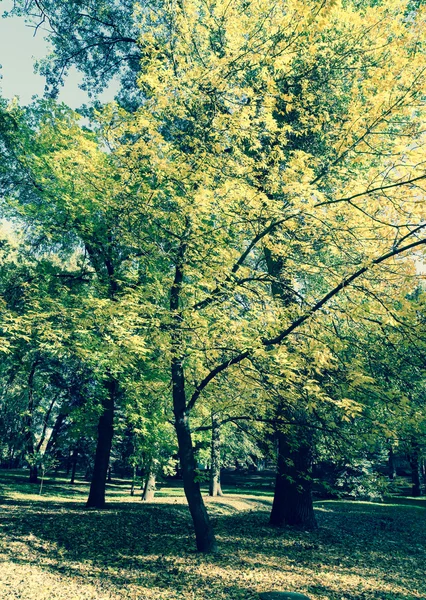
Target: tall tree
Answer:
pixel 295 125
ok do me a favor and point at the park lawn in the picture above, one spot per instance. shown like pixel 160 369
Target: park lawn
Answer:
pixel 51 547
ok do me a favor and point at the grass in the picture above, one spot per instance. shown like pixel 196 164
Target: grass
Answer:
pixel 52 547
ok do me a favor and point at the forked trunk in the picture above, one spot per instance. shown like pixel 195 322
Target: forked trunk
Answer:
pixel 103 448
pixel 215 488
pixel 293 503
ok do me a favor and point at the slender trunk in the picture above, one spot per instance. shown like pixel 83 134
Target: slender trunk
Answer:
pixel 293 503
pixel 149 487
pixel 109 478
pixel 204 535
pixel 74 465
pixel 391 464
pixel 28 425
pixel 68 462
pixel 415 463
pixel 103 448
pixel 203 529
pixel 132 487
pixel 215 489
pixel 43 472
pixel 45 423
pixel 55 433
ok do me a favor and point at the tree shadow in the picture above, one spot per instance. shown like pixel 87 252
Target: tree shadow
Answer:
pixel 152 545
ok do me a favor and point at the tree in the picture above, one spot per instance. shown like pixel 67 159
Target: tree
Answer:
pixel 293 126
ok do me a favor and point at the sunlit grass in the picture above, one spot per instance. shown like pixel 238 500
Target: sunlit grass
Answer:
pixel 53 548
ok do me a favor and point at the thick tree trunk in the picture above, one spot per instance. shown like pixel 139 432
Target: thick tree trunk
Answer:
pixel 203 529
pixel 293 503
pixel 149 487
pixel 391 464
pixel 103 448
pixel 215 488
pixel 33 474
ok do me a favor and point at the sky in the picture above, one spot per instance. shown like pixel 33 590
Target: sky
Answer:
pixel 19 48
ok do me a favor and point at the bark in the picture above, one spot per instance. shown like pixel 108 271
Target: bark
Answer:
pixel 103 448
pixel 149 487
pixel 415 464
pixel 215 488
pixel 203 529
pixel 293 503
pixel 34 474
pixel 45 424
pixel 391 464
pixel 202 526
pixel 28 424
pixel 55 433
pixel 74 465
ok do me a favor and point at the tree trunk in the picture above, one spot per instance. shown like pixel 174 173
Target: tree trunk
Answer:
pixel 28 425
pixel 33 474
pixel 103 448
pixel 215 488
pixel 132 487
pixel 109 478
pixel 391 464
pixel 68 462
pixel 45 424
pixel 149 487
pixel 293 503
pixel 416 489
pixel 74 465
pixel 55 433
pixel 203 529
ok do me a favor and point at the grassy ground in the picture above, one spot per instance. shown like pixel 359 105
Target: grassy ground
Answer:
pixel 52 548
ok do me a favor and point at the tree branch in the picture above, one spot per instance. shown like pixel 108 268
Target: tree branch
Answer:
pixel 298 322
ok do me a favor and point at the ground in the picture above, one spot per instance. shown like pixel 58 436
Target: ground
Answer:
pixel 51 548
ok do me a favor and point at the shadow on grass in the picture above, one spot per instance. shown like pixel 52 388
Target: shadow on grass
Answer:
pixel 152 546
